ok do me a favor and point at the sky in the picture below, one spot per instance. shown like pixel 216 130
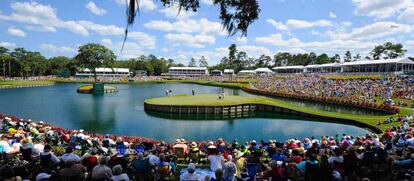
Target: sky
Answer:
pixel 57 28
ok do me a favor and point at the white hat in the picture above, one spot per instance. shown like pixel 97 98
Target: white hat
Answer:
pixel 81 130
pixel 191 166
pixel 42 176
pixel 41 122
pixel 254 141
pixel 7 118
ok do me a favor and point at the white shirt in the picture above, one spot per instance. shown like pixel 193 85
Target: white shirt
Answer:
pixel 122 177
pixel 215 162
pixel 190 177
pixel 6 146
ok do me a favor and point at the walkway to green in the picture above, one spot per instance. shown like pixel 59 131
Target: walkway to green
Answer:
pixel 212 100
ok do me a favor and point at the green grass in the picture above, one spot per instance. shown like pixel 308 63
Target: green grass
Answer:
pixel 7 83
pixel 212 100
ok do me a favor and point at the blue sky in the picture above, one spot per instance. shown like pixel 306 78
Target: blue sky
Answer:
pixel 297 26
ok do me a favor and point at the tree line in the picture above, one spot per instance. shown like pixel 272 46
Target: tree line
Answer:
pixel 20 62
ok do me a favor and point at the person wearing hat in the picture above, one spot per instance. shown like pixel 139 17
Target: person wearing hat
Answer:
pixel 240 161
pixel 26 149
pixel 194 152
pixel 190 175
pixel 181 144
pixel 90 159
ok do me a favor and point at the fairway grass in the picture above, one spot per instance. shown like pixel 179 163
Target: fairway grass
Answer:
pixel 12 83
pixel 212 100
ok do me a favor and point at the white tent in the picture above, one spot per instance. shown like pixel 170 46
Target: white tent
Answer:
pixel 384 65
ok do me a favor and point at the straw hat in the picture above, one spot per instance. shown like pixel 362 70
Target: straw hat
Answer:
pixel 237 154
pixel 193 144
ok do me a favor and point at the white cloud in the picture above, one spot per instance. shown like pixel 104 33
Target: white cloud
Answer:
pixel 407 15
pixel 201 26
pixel 380 8
pixel 195 41
pixel 56 49
pixel 174 12
pixel 254 51
pixel 101 29
pixel 298 24
pixel 95 9
pixel 208 2
pixel 277 25
pixel 277 40
pixel 49 29
pixel 332 15
pixel 374 31
pixel 143 4
pixel 144 39
pixel 16 32
pixel 7 44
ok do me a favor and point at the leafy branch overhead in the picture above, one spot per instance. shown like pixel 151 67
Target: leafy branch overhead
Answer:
pixel 236 15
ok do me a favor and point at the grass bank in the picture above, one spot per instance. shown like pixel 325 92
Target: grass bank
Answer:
pixel 23 83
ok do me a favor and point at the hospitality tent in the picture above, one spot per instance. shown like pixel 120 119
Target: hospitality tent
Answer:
pixel 289 69
pixel 246 73
pixel 384 65
pixel 263 71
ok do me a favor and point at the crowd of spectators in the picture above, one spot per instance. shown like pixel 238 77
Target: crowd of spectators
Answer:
pixel 37 151
pixel 397 90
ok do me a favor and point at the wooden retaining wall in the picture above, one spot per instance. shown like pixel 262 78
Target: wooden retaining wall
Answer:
pixel 246 109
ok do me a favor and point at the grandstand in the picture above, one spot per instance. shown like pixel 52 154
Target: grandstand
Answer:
pixel 397 66
pixel 191 71
pixel 106 72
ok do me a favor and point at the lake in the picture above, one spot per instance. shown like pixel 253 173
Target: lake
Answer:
pixel 123 113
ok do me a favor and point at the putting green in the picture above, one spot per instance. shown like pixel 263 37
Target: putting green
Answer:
pixel 212 100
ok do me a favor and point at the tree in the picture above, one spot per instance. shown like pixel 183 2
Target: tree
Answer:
pixel 348 56
pixel 93 55
pixel 322 59
pixel 241 61
pixel 236 16
pixel 4 56
pixel 192 63
pixel 263 61
pixel 281 58
pixel 357 57
pixel 388 51
pixel 160 65
pixel 203 62
pixel 232 56
pixel 335 59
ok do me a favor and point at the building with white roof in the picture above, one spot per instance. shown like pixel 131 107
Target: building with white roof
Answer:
pixel 384 65
pixel 228 72
pixel 107 72
pixel 246 73
pixel 263 71
pixel 187 71
pixel 289 69
pixel 323 68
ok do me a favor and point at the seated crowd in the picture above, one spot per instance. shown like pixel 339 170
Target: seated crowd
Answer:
pixel 364 90
pixel 37 151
